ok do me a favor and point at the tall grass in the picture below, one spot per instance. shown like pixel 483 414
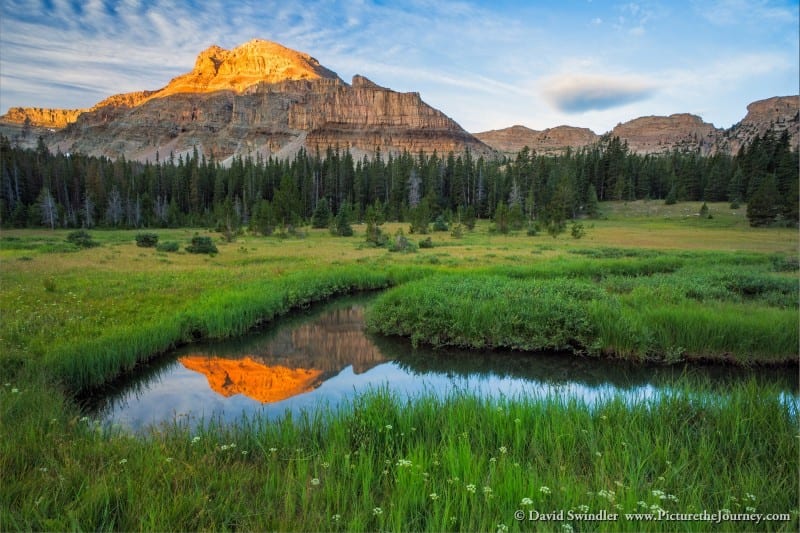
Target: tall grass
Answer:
pixel 744 318
pixel 461 463
pixel 86 363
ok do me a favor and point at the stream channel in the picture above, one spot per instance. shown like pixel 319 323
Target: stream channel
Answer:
pixel 323 356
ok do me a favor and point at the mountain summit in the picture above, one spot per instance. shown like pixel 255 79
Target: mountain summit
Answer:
pixel 256 61
pixel 258 98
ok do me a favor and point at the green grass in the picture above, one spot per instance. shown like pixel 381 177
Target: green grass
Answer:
pixel 664 309
pixel 72 319
pixel 462 463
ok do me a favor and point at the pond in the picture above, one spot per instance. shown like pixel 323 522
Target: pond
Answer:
pixel 323 356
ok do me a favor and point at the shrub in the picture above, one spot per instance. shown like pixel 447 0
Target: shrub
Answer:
pixel 439 224
pixel 169 246
pixel 457 232
pixel 146 240
pixel 426 243
pixel 672 197
pixel 201 245
pixel 400 243
pixel 533 229
pixel 704 211
pixel 577 230
pixel 82 239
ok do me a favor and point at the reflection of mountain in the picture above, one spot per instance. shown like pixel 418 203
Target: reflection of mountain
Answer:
pixel 289 360
pixel 333 341
pixel 255 380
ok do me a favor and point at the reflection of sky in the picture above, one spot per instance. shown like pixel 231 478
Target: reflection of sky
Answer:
pixel 184 393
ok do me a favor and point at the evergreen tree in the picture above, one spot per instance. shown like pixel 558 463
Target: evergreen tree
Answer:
pixel 420 216
pixel 468 217
pixel 501 218
pixel 341 226
pixel 592 205
pixel 228 219
pixel 672 196
pixel 263 220
pixel 764 206
pixel 322 215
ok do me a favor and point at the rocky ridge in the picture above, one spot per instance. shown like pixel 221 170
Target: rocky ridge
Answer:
pixel 264 98
pixel 550 141
pixel 658 135
pixel 259 98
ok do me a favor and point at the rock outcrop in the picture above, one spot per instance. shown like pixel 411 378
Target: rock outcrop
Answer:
pixel 42 117
pixel 262 98
pixel 781 113
pixel 656 135
pixel 551 141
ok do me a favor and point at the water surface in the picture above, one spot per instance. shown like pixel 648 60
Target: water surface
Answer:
pixel 323 356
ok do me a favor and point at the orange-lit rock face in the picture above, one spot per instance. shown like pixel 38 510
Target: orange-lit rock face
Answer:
pixel 254 380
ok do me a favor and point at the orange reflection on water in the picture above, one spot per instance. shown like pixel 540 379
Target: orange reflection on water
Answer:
pixel 252 379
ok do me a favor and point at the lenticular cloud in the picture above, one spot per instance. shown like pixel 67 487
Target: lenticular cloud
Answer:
pixel 576 94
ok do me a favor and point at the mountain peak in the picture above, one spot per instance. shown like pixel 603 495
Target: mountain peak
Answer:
pixel 256 61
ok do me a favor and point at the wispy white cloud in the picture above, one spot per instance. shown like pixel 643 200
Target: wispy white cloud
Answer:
pixel 731 12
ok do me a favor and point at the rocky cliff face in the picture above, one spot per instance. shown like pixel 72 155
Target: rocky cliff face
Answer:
pixel 551 141
pixel 656 135
pixel 42 117
pixel 781 113
pixel 261 98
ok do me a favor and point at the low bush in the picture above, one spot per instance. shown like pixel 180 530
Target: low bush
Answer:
pixel 201 245
pixel 81 239
pixel 168 246
pixel 400 243
pixel 146 240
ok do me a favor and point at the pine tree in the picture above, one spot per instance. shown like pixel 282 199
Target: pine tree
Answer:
pixel 592 204
pixel 672 196
pixel 263 219
pixel 764 206
pixel 341 226
pixel 322 215
pixel 501 217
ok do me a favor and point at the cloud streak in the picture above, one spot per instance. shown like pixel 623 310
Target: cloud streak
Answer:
pixel 581 93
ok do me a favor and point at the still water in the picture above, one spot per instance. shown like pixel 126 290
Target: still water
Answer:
pixel 323 356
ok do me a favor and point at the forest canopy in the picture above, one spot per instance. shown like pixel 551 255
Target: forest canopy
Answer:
pixel 38 188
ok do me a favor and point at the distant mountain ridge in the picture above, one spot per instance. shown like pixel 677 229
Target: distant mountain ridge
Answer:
pixel 263 98
pixel 658 135
pixel 258 98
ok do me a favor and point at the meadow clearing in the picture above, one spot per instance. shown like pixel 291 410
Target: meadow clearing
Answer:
pixel 650 282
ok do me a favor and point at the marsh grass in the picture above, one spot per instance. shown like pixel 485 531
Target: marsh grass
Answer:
pixel 665 309
pixel 113 306
pixel 442 464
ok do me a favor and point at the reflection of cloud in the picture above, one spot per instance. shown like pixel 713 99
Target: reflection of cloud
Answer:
pixel 576 94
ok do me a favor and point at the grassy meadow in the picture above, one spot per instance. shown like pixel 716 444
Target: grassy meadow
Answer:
pixel 648 282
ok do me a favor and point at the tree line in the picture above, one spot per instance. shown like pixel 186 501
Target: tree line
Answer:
pixel 38 188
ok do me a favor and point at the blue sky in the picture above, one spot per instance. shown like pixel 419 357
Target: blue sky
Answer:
pixel 486 64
